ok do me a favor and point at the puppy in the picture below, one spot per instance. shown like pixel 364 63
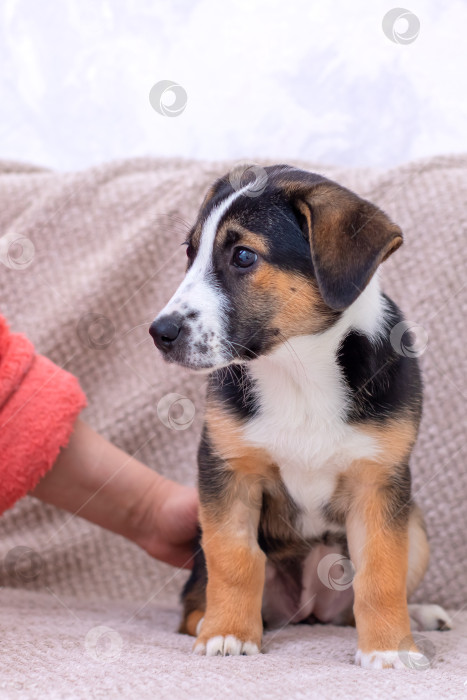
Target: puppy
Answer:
pixel 311 417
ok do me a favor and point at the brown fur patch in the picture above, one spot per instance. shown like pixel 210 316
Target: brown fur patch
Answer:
pixel 419 551
pixel 298 312
pixel 373 499
pixel 246 238
pixel 226 435
pixel 380 556
pixel 236 568
pixel 396 437
pixel 349 236
pixel 195 236
pixel 190 622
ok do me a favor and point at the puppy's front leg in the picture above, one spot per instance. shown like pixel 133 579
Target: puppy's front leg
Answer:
pixel 377 532
pixel 232 623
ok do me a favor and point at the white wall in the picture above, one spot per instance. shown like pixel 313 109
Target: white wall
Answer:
pixel 276 78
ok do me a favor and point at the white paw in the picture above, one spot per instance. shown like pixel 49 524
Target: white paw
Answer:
pixel 226 646
pixel 429 617
pixel 391 659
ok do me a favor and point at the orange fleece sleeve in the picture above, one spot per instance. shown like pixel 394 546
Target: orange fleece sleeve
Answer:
pixel 39 403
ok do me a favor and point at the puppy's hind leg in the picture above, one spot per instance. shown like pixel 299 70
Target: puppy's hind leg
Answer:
pixel 428 617
pixel 422 617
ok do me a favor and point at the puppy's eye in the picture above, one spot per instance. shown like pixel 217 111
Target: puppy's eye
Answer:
pixel 243 257
pixel 190 251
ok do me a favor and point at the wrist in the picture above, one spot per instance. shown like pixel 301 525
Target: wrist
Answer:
pixel 142 516
pixel 164 521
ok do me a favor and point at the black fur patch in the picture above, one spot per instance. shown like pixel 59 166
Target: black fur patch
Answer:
pixel 275 221
pixel 232 387
pixel 193 595
pixel 214 478
pixel 382 382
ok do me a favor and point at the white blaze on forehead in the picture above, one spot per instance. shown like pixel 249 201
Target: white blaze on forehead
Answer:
pixel 201 303
pixel 197 290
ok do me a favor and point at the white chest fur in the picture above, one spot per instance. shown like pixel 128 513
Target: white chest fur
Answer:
pixel 303 404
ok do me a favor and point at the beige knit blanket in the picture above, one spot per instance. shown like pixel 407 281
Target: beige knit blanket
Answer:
pixel 87 614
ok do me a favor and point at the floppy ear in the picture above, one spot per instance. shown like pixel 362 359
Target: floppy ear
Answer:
pixel 349 237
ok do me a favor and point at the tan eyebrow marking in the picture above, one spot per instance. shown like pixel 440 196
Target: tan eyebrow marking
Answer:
pixel 246 237
pixel 196 236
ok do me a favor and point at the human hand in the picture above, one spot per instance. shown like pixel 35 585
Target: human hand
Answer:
pixel 169 523
pixel 94 479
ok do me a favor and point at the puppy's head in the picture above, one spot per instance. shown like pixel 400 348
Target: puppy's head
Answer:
pixel 262 269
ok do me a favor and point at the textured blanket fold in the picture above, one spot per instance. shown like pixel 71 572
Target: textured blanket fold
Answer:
pixel 39 403
pixel 107 257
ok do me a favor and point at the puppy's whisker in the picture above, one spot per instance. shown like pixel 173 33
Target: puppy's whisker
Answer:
pixel 229 344
pixel 244 347
pixel 179 221
pixel 140 325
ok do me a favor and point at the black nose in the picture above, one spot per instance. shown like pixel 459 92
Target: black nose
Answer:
pixel 165 331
